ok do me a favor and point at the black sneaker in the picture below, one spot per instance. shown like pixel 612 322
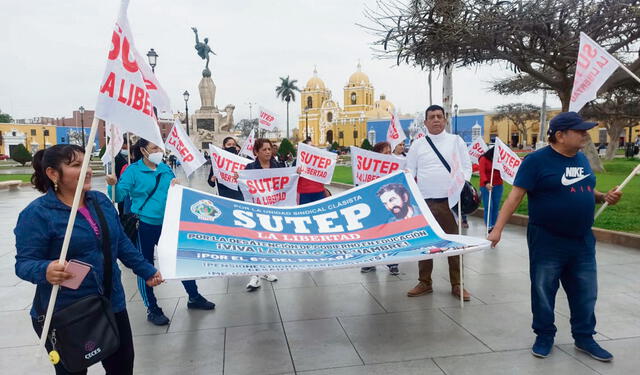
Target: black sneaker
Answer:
pixel 367 269
pixel 157 317
pixel 200 303
pixel 393 269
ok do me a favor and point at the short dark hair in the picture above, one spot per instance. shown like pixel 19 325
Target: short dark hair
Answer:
pixel 433 108
pixel 259 143
pixel 307 140
pixel 52 157
pixel 552 135
pixel 224 141
pixel 396 188
pixel 380 146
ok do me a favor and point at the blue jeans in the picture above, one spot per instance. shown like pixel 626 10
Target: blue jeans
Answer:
pixel 555 259
pixel 148 236
pixel 496 196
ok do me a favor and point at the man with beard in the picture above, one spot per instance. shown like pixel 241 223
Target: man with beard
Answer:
pixel 395 198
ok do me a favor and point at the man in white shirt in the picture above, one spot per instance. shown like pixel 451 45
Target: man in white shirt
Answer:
pixel 433 180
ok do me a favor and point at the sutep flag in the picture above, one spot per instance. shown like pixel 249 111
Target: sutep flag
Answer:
pixel 316 165
pixel 129 91
pixel 477 148
pixel 269 187
pixel 367 166
pixel 225 166
pixel 179 143
pixel 395 133
pixel 247 146
pixel 456 183
pixel 593 68
pixel 267 120
pixel 115 142
pixel 420 134
pixel 506 161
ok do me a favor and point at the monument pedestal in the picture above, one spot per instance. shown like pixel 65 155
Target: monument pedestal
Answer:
pixel 208 125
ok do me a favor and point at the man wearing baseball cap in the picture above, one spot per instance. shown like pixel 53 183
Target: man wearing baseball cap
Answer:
pixel 560 187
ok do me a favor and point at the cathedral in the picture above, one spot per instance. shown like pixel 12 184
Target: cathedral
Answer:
pixel 323 119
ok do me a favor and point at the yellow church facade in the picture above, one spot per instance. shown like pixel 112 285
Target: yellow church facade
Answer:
pixel 325 121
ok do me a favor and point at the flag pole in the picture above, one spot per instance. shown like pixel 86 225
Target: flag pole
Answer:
pixel 461 268
pixel 128 150
pixel 67 235
pixel 113 163
pixel 624 183
pixel 489 203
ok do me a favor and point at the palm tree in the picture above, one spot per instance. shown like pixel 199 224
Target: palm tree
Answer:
pixel 287 92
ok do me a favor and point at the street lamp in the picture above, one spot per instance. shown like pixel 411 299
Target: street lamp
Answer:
pixel 455 124
pixel 153 59
pixel 306 122
pixel 44 139
pixel 81 109
pixel 186 108
pixel 353 122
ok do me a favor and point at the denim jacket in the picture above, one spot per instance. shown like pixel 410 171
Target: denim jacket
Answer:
pixel 39 235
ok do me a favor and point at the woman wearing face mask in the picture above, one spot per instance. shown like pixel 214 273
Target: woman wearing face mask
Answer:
pixel 138 182
pixel 229 144
pixel 39 235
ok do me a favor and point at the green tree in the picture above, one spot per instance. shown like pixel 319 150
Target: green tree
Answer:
pixel 366 145
pixel 521 115
pixel 286 148
pixel 287 92
pixel 334 146
pixel 245 126
pixel 20 154
pixel 5 118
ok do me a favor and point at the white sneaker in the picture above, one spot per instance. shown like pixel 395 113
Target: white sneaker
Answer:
pixel 271 278
pixel 254 283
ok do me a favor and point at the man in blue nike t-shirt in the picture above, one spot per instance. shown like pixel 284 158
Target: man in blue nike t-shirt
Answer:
pixel 560 187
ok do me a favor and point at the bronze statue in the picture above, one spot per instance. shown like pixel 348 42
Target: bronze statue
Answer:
pixel 203 51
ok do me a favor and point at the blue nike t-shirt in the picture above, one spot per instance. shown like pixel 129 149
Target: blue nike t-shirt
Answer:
pixel 560 191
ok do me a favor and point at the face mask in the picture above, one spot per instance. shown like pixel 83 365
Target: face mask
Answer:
pixel 124 152
pixel 155 158
pixel 232 150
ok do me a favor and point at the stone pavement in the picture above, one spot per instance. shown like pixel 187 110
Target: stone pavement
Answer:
pixel 344 322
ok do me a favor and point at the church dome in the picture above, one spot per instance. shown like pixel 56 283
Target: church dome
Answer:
pixel 315 83
pixel 359 78
pixel 383 104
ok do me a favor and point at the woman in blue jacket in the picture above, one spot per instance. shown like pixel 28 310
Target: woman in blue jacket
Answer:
pixel 138 182
pixel 39 235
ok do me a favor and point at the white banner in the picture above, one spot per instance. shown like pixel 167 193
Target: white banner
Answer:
pixel 179 143
pixel 269 187
pixel 115 142
pixel 593 68
pixel 247 146
pixel 506 161
pixel 317 165
pixel 421 133
pixel 129 91
pixel 267 120
pixel 395 133
pixel 367 166
pixel 456 183
pixel 477 148
pixel 225 165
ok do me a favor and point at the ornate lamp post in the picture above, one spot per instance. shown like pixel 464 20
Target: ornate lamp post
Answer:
pixel 81 109
pixel 186 108
pixel 455 121
pixel 153 59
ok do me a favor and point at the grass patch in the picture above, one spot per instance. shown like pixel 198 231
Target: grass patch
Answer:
pixel 621 217
pixel 21 177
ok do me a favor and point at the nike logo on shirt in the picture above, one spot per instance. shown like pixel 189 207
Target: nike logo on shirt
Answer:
pixel 573 175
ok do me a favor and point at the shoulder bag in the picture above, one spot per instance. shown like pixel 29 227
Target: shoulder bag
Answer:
pixel 130 221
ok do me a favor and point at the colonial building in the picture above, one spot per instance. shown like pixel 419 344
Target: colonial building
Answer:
pixel 33 136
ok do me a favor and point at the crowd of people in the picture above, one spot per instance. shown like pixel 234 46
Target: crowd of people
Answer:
pixel 561 246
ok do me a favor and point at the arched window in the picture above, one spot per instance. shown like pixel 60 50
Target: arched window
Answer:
pixel 329 116
pixel 353 98
pixel 329 136
pixel 309 102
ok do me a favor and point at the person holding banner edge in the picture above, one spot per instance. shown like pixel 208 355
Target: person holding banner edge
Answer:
pixel 147 182
pixel 491 188
pixel 433 180
pixel 39 233
pixel 560 187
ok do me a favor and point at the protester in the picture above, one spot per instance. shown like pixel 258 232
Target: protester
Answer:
pixel 486 186
pixel 385 148
pixel 560 187
pixel 39 235
pixel 309 190
pixel 263 150
pixel 433 180
pixel 138 182
pixel 229 144
pixel 398 150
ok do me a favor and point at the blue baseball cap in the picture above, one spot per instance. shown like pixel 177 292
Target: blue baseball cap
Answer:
pixel 569 120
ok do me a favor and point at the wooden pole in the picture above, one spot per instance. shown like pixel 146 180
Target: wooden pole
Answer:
pixel 113 163
pixel 624 183
pixel 461 268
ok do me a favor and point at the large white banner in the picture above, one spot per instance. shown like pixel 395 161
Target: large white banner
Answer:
pixel 593 68
pixel 367 166
pixel 247 146
pixel 269 187
pixel 386 221
pixel 317 165
pixel 129 91
pixel 506 161
pixel 225 166
pixel 477 148
pixel 179 143
pixel 395 133
pixel 267 120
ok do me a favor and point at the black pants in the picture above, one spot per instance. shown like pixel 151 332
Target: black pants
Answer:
pixel 120 362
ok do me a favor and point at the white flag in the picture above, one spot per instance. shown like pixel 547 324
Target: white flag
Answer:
pixel 593 68
pixel 317 165
pixel 477 148
pixel 115 142
pixel 367 166
pixel 267 120
pixel 247 146
pixel 395 133
pixel 421 133
pixel 179 143
pixel 225 165
pixel 270 187
pixel 129 91
pixel 456 183
pixel 506 161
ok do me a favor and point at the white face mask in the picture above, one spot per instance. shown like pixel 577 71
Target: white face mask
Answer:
pixel 155 158
pixel 124 152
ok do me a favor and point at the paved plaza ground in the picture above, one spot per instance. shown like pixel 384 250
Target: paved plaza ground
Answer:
pixel 344 322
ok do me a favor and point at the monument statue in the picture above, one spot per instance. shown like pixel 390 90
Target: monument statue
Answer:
pixel 203 51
